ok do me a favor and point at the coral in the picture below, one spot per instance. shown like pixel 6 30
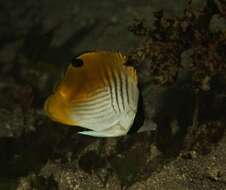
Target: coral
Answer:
pixel 163 52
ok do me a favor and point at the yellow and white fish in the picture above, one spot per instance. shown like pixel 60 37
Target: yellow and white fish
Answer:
pixel 99 92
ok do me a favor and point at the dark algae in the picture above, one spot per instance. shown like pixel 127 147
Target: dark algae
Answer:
pixel 179 51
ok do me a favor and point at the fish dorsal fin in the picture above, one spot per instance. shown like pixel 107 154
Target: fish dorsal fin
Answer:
pixel 103 57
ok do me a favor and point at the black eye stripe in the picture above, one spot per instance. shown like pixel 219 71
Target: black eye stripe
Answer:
pixel 77 62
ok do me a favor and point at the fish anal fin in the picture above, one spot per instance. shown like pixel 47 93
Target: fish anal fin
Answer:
pixel 114 131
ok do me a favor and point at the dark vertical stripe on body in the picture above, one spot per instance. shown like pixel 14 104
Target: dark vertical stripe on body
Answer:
pixel 127 89
pixel 114 79
pixel 122 96
pixel 139 117
pixel 109 77
pixel 130 91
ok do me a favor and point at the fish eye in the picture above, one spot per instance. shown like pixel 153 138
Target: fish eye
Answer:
pixel 77 62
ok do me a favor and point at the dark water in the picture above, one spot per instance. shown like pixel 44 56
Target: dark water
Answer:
pixel 178 49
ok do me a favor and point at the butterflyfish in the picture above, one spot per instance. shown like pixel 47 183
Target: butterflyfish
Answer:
pixel 98 92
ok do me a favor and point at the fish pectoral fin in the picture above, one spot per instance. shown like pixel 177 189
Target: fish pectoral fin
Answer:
pixel 114 131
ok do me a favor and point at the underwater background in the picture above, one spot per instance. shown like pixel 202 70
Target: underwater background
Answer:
pixel 179 49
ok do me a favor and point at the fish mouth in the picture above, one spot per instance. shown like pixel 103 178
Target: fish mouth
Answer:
pixel 56 107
